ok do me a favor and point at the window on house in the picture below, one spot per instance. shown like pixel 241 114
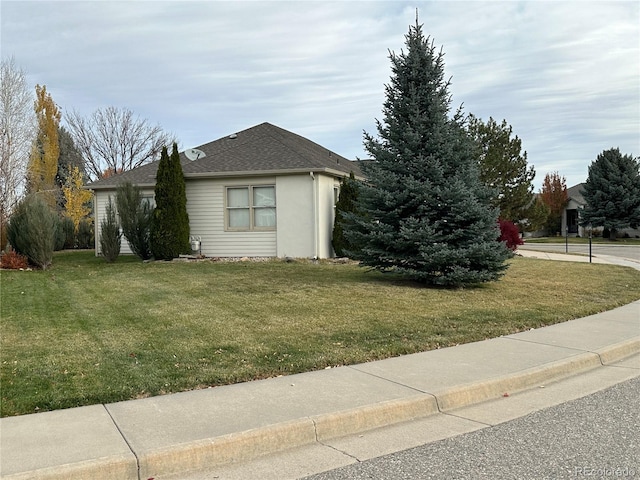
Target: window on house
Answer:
pixel 251 208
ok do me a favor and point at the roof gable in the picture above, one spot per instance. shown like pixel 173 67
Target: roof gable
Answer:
pixel 575 193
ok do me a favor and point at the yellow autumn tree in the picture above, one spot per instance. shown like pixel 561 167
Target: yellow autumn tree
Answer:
pixel 76 198
pixel 43 163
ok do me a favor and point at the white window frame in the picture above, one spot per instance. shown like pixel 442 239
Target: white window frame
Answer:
pixel 251 207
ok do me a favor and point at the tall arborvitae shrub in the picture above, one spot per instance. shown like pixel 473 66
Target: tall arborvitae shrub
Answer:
pixel 60 234
pixel 110 235
pixel 346 204
pixel 85 237
pixel 170 226
pixel 135 218
pixel 69 230
pixel 423 211
pixel 32 230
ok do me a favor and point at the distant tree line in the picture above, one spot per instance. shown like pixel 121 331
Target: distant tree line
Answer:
pixel 39 157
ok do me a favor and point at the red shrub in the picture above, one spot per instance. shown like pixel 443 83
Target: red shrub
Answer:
pixel 509 234
pixel 13 261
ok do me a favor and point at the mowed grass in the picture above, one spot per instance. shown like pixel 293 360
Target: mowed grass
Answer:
pixel 87 332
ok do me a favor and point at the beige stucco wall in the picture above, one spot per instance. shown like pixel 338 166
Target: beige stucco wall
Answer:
pixel 305 209
pixel 294 210
pixel 326 212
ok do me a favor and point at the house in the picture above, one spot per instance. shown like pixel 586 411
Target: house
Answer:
pixel 571 215
pixel 261 192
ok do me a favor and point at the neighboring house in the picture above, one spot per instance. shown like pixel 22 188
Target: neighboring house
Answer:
pixel 571 215
pixel 261 192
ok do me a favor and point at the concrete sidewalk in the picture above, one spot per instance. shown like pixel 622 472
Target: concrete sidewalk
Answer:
pixel 565 257
pixel 174 434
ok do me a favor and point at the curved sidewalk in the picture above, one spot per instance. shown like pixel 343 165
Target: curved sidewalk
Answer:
pixel 183 432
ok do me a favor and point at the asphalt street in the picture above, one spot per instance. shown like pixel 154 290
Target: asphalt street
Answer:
pixel 631 252
pixel 597 436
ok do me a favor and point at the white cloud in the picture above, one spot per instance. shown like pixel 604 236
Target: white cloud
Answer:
pixel 564 74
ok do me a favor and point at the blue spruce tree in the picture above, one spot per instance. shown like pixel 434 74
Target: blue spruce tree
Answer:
pixel 423 211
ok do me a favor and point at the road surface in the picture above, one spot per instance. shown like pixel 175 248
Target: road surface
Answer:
pixel 631 252
pixel 597 436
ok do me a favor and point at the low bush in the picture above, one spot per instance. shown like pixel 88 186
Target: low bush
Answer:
pixel 32 231
pixel 13 261
pixel 510 235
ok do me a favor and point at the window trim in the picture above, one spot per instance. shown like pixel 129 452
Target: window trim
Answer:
pixel 252 208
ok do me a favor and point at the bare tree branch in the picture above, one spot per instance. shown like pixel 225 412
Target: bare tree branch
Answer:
pixel 17 132
pixel 114 140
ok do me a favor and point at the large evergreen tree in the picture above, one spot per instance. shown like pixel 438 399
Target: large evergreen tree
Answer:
pixel 503 168
pixel 423 210
pixel 612 192
pixel 170 226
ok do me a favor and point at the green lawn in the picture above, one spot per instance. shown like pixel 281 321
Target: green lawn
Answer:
pixel 86 332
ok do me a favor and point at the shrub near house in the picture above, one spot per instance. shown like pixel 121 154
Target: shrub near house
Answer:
pixel 32 230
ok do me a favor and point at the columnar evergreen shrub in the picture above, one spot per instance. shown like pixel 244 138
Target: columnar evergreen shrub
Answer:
pixel 346 204
pixel 60 235
pixel 110 235
pixel 135 218
pixel 32 230
pixel 69 230
pixel 423 211
pixel 85 236
pixel 170 226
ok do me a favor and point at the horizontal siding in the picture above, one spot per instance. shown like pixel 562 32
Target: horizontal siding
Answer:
pixel 205 206
pixel 101 201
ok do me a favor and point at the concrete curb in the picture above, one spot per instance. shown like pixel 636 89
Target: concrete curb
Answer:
pixel 124 467
pixel 466 395
pixel 232 448
pixel 252 444
pixel 619 351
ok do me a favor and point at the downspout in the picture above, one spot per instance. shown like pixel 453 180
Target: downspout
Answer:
pixel 314 202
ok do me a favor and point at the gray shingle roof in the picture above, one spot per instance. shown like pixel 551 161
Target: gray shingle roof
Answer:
pixel 575 193
pixel 264 148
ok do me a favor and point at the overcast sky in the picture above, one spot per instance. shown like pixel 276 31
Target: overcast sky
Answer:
pixel 564 74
